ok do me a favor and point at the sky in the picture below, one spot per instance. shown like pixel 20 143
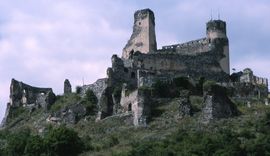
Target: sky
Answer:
pixel 43 42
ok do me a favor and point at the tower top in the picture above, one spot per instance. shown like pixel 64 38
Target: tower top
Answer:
pixel 216 29
pixel 143 38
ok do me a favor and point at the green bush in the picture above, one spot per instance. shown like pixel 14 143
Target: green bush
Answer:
pixel 35 146
pixel 90 102
pixel 65 100
pixel 17 142
pixel 62 141
pixel 59 141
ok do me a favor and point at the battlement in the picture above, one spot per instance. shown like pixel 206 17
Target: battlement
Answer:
pixel 191 47
pixel 216 29
pixel 249 77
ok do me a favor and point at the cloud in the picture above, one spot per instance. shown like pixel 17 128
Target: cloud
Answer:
pixel 44 45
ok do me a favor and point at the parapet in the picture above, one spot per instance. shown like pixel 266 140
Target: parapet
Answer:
pixel 216 29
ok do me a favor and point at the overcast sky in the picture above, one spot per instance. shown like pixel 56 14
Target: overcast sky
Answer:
pixel 42 42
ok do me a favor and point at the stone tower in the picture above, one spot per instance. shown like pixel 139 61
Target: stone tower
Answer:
pixel 216 30
pixel 143 38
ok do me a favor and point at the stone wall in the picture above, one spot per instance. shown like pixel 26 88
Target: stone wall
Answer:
pixel 189 48
pixel 248 77
pixel 137 102
pixel 97 87
pixel 22 94
pixel 205 64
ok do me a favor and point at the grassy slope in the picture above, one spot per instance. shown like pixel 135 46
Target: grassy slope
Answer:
pixel 113 135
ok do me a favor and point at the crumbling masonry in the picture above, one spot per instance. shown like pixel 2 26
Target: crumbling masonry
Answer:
pixel 142 64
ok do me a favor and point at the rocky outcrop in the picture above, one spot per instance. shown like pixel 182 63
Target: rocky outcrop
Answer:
pixel 217 105
pixel 67 87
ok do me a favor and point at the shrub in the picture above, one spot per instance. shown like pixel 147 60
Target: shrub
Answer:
pixel 16 142
pixel 62 141
pixel 35 146
pixel 90 102
pixel 65 100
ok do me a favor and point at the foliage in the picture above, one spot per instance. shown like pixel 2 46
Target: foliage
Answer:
pixel 207 84
pixel 16 112
pixel 63 142
pixel 59 141
pixel 16 143
pixel 65 100
pixel 34 146
pixel 90 102
pixel 224 141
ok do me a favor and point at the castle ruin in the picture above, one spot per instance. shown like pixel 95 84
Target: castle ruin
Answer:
pixel 142 65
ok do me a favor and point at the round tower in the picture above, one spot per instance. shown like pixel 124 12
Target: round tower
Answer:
pixel 216 29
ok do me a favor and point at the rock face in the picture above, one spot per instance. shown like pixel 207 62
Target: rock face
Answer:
pixel 184 104
pixel 217 105
pixel 67 87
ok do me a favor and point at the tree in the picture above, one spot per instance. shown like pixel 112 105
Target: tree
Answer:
pixel 90 101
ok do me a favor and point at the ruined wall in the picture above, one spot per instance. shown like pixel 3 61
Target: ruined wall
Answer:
pixel 172 64
pixel 97 87
pixel 138 102
pixel 249 77
pixel 143 37
pixel 189 48
pixel 216 40
pixel 22 94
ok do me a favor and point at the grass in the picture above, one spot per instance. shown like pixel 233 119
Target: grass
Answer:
pixel 65 100
pixel 115 136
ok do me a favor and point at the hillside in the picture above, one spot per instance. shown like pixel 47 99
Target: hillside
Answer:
pixel 166 134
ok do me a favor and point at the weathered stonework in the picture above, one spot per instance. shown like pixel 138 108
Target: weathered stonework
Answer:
pixel 127 90
pixel 217 105
pixel 67 87
pixel 24 95
pixel 184 104
pixel 138 102
pixel 143 38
